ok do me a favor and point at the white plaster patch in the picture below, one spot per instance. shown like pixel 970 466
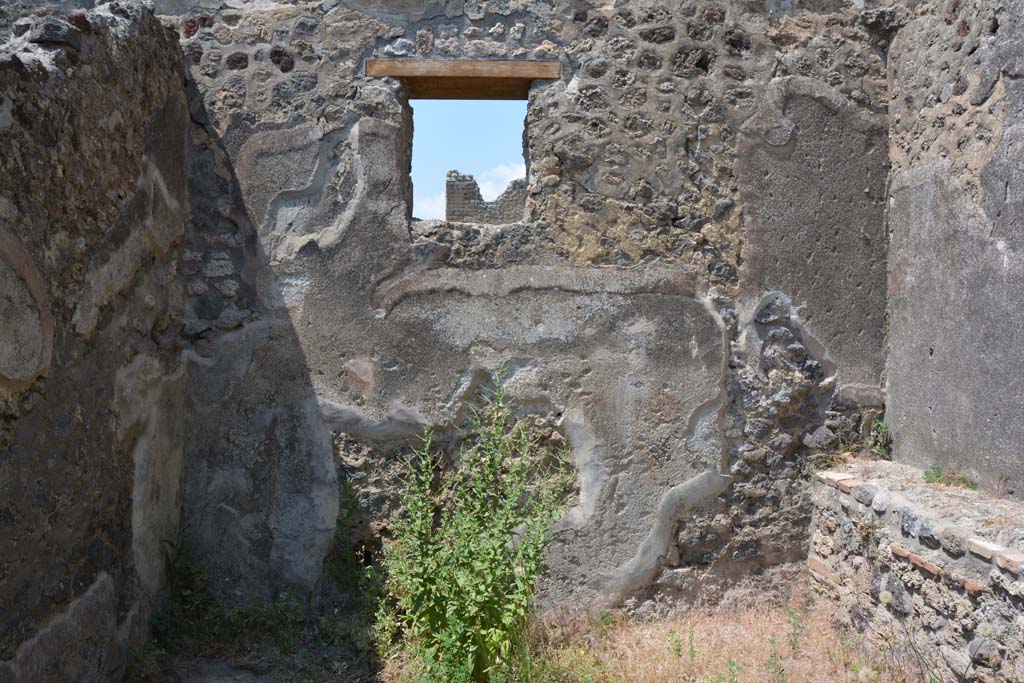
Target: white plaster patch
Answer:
pixel 641 326
pixel 590 473
pixel 363 370
pixel 108 280
pixel 21 335
pixel 150 409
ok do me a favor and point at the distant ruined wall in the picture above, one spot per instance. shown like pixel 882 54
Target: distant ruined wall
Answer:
pixel 463 202
pixel 956 265
pixel 94 131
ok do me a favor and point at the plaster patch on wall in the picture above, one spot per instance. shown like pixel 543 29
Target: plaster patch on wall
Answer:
pixel 26 337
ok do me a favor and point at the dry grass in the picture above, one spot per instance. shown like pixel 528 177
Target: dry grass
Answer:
pixel 759 645
pixel 764 643
pixel 771 644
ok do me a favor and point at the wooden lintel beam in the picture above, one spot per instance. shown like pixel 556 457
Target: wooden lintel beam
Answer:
pixel 478 79
pixel 463 68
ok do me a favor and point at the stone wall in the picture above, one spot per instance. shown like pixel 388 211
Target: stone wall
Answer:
pixel 156 404
pixel 260 495
pixel 220 297
pixel 94 129
pixel 464 204
pixel 655 374
pixel 932 576
pixel 956 272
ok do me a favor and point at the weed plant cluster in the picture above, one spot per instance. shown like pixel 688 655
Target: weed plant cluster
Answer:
pixel 467 550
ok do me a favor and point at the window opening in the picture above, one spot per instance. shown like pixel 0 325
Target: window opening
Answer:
pixel 468 162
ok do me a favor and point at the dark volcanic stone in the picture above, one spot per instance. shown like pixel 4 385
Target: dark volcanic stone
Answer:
pixel 282 59
pixel 237 60
pixel 56 32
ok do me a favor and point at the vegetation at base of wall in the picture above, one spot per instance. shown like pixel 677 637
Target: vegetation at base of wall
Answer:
pixel 466 553
pixel 815 461
pixel 881 440
pixel 936 475
pixel 192 613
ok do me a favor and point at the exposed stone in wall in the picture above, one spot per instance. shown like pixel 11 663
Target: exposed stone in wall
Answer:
pixel 635 160
pixel 956 273
pixel 464 204
pixel 777 390
pixel 17 11
pixel 924 574
pixel 93 199
pixel 614 200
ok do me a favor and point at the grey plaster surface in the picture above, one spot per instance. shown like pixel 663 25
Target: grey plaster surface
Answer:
pixel 812 172
pixel 956 270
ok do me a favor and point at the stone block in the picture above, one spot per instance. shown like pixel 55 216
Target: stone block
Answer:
pixel 983 549
pixel 865 493
pixel 953 541
pixel 832 478
pixel 821 437
pixel 927 535
pixel 21 26
pixel 55 32
pixel 909 522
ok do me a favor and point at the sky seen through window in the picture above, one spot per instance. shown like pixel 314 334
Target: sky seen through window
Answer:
pixel 483 138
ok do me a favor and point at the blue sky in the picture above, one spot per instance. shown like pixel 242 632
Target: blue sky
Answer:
pixel 481 137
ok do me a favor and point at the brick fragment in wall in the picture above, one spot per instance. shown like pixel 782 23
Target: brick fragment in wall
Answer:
pixel 1011 562
pixel 833 478
pixel 924 564
pixel 818 566
pixel 847 485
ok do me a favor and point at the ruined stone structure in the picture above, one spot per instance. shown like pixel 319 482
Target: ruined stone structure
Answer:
pixel 749 230
pixel 464 204
pixel 916 569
